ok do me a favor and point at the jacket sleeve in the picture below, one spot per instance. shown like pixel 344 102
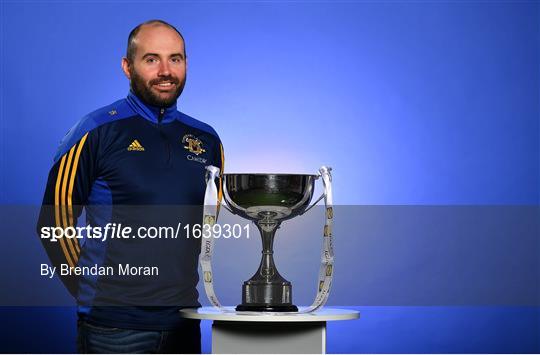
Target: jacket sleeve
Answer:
pixel 68 186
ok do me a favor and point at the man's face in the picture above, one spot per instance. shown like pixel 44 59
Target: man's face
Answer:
pixel 157 73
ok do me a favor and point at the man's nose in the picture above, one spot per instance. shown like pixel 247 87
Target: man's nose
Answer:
pixel 164 69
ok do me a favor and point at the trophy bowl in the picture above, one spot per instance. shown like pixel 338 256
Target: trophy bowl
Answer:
pixel 267 200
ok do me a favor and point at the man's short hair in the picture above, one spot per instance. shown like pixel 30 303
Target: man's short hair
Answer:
pixel 132 48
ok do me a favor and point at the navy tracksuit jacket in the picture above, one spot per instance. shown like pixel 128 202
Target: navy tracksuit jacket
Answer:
pixel 132 164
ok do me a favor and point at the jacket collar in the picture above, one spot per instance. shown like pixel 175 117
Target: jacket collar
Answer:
pixel 152 113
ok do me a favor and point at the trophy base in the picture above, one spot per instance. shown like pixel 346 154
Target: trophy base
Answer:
pixel 266 308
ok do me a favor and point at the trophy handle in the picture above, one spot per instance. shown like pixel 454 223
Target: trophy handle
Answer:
pixel 225 192
pixel 313 204
pixel 324 170
pixel 211 173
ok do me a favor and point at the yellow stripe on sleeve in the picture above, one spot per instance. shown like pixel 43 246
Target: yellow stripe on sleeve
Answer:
pixel 70 190
pixel 57 209
pixel 221 168
pixel 63 201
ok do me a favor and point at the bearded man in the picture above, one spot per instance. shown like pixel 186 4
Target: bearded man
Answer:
pixel 133 163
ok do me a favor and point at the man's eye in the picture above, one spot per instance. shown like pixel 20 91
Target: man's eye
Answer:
pixel 176 60
pixel 151 60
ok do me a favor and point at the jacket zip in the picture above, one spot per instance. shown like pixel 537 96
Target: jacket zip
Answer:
pixel 167 143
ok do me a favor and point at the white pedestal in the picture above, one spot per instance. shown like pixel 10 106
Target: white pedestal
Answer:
pixel 264 333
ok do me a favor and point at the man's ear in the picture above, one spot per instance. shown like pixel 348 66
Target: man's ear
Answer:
pixel 125 67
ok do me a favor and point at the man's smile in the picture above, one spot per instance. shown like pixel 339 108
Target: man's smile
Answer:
pixel 165 86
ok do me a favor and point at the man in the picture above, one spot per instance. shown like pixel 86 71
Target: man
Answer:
pixel 132 163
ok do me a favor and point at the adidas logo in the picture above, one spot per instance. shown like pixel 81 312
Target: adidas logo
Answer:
pixel 135 145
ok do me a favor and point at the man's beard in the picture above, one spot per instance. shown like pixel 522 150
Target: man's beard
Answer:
pixel 144 92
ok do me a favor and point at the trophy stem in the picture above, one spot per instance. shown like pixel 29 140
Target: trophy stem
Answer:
pixel 267 290
pixel 267 269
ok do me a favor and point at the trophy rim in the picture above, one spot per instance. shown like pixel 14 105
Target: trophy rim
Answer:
pixel 273 174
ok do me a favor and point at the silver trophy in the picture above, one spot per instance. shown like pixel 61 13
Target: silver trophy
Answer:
pixel 267 200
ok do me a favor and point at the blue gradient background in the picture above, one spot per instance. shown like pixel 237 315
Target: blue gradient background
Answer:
pixel 410 102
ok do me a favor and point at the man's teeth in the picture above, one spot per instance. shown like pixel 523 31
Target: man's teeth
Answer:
pixel 165 84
